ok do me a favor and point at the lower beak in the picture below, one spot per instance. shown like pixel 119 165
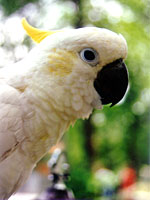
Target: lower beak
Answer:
pixel 112 82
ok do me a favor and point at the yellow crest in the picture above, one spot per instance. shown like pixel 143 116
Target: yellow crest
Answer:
pixel 36 34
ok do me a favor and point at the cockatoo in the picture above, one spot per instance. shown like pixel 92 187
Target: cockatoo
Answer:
pixel 66 76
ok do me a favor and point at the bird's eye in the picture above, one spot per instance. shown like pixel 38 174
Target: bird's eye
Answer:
pixel 90 56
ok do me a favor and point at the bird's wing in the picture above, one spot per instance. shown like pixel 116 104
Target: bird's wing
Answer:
pixel 11 137
pixel 10 121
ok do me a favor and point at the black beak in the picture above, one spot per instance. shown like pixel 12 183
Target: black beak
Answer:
pixel 112 82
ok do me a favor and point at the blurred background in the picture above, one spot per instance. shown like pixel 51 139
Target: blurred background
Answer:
pixel 109 154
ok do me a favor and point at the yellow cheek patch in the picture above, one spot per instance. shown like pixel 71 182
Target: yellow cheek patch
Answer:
pixel 61 62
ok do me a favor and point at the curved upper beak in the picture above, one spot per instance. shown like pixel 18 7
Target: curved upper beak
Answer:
pixel 112 82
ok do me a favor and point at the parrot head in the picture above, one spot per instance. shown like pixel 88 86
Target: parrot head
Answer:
pixel 87 57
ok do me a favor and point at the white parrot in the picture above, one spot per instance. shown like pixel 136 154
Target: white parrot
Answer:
pixel 66 76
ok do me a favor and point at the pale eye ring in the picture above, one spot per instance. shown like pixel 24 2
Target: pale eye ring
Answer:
pixel 89 56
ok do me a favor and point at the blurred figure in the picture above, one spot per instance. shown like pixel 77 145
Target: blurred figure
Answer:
pixel 127 183
pixel 59 173
pixel 108 183
pixel 127 177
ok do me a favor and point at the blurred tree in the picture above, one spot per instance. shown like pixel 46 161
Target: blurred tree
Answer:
pixel 10 6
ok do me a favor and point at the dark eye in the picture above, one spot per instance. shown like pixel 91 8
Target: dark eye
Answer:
pixel 90 56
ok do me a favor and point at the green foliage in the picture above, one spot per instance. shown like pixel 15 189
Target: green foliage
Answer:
pixel 10 6
pixel 78 158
